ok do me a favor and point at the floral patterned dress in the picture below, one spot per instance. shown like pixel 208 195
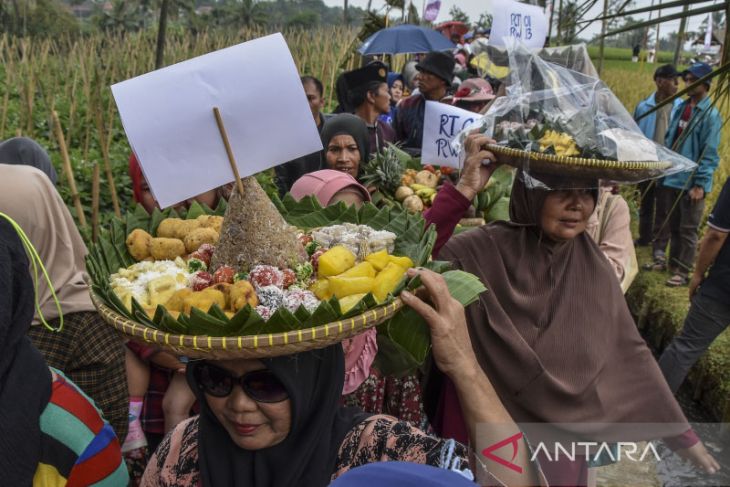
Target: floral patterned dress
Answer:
pixel 377 439
pixel 400 397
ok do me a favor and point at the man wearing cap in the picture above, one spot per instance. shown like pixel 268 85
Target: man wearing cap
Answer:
pixel 654 126
pixel 290 171
pixel 435 73
pixel 694 132
pixel 369 97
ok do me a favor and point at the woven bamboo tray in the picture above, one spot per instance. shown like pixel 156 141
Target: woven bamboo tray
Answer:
pixel 249 346
pixel 624 171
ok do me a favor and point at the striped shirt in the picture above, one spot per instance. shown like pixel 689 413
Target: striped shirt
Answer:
pixel 78 447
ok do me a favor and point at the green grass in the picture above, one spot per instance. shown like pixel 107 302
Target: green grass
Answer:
pixel 627 65
pixel 624 54
pixel 660 312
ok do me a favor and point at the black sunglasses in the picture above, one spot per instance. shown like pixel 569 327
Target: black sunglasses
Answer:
pixel 260 385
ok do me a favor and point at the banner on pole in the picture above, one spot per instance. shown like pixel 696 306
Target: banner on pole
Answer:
pixel 519 21
pixel 432 10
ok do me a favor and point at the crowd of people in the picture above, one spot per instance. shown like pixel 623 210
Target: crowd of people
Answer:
pixel 524 353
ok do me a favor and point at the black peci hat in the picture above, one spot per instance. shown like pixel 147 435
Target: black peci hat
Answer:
pixel 440 64
pixel 360 78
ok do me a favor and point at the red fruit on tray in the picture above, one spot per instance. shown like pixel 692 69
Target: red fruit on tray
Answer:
pixel 266 275
pixel 202 256
pixel 224 274
pixel 315 259
pixel 207 249
pixel 304 239
pixel 290 277
pixel 201 280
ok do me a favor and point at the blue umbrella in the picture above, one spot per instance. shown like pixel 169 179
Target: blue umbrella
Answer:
pixel 405 39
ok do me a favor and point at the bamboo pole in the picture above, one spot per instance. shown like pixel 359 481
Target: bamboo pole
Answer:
pixel 229 151
pixel 6 101
pixel 68 171
pixel 95 183
pixel 107 162
pixel 604 25
pixel 72 110
pixel 680 35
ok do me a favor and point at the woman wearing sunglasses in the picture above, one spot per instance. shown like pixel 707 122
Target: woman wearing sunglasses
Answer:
pixel 278 421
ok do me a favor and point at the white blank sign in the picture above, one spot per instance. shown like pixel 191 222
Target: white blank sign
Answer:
pixel 168 117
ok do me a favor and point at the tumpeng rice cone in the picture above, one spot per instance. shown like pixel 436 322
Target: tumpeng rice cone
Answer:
pixel 254 233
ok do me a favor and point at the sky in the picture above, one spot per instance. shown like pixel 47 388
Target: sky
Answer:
pixel 474 8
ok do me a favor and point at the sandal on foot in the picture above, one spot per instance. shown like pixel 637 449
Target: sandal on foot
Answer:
pixel 657 266
pixel 677 280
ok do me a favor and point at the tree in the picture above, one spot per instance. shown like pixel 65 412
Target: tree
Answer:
pixel 484 22
pixel 122 17
pixel 568 22
pixel 307 19
pixel 43 18
pixel 458 15
pixel 245 13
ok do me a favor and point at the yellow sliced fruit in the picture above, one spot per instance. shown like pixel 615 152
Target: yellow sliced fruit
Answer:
pixel 203 300
pixel 335 261
pixel 347 286
pixel 404 262
pixel 363 269
pixel 348 302
pixel 177 301
pixel 321 289
pixel 125 296
pixel 378 259
pixel 161 290
pixel 387 280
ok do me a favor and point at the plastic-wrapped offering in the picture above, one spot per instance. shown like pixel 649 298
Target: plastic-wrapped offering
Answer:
pixel 557 121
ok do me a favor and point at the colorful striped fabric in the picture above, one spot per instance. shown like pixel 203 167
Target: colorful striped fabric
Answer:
pixel 79 448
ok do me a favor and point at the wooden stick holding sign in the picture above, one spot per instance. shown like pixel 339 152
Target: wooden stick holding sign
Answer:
pixel 229 151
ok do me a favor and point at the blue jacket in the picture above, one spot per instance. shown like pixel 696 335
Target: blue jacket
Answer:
pixel 699 146
pixel 648 123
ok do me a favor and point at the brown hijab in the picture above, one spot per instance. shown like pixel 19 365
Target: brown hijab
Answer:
pixel 29 197
pixel 553 331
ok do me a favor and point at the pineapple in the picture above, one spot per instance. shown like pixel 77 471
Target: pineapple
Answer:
pixel 384 172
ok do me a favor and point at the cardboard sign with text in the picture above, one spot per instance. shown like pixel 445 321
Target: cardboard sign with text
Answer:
pixel 519 21
pixel 168 117
pixel 441 123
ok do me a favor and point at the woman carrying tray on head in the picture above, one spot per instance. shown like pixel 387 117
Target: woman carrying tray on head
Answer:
pixel 278 421
pixel 365 387
pixel 553 332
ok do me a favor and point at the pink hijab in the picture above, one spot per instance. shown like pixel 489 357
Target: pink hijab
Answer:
pixel 360 351
pixel 325 184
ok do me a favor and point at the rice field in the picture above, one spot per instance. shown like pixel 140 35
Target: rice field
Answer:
pixel 71 79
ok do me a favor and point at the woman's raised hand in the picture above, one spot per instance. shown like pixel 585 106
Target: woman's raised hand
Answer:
pixel 445 316
pixel 476 173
